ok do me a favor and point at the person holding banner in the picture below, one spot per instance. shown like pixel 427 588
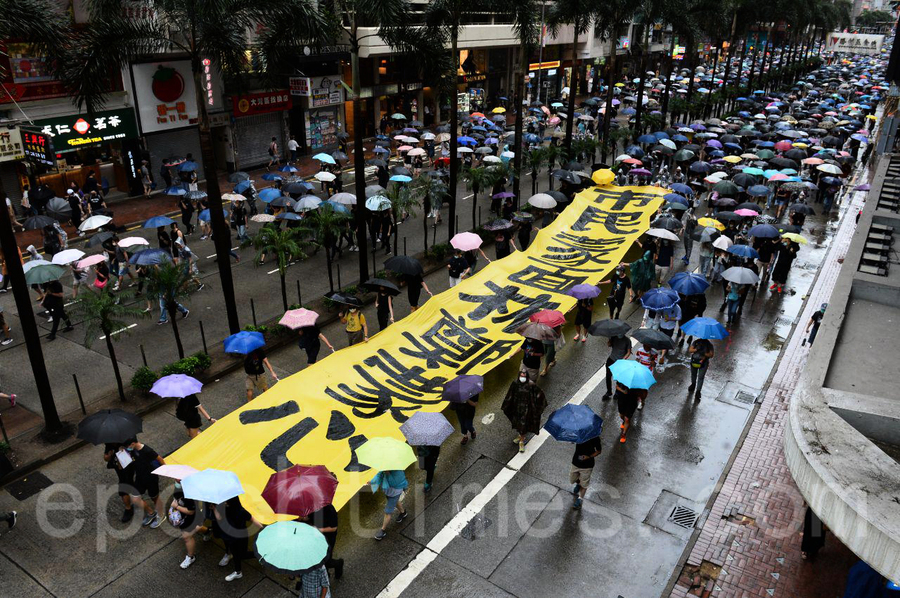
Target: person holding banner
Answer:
pixel 523 406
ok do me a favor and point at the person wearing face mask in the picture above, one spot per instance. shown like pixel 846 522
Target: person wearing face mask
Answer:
pixel 783 261
pixel 355 321
pixel 523 405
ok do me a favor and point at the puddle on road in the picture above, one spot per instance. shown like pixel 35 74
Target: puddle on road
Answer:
pixel 773 342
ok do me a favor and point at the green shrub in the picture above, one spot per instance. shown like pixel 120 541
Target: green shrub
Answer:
pixel 350 290
pixel 189 365
pixel 328 303
pixel 266 329
pixel 143 379
pixel 439 252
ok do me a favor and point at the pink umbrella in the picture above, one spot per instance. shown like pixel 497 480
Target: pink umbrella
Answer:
pixel 404 148
pixel 813 161
pixel 90 261
pixel 132 241
pixel 466 241
pixel 745 212
pixel 778 177
pixel 553 121
pixel 782 146
pixel 178 472
pixel 298 318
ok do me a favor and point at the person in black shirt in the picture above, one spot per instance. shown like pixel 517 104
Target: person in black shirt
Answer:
pixel 620 284
pixel 620 348
pixel 96 205
pixel 311 338
pixel 584 309
pixel 53 303
pixel 384 308
pixel 230 524
pixel 326 521
pixel 414 286
pixel 465 412
pixel 814 322
pixel 582 467
pixel 187 212
pixel 146 482
pixel 188 410
pixel 701 352
pixel 125 476
pixel 191 522
pixel 75 209
pixel 458 268
pixel 428 456
pixel 164 240
pixel 255 363
pixel 531 361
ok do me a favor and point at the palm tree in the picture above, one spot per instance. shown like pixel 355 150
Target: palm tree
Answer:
pixel 427 190
pixel 326 224
pixel 403 202
pixel 44 26
pixel 106 313
pixel 172 283
pixel 284 244
pixel 535 161
pixel 215 31
pixel 609 19
pixel 478 179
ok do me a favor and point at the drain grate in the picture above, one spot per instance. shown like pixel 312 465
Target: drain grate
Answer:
pixel 684 516
pixel 28 486
pixel 745 397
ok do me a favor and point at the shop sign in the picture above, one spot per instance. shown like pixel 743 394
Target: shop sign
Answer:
pixel 220 119
pixel 261 103
pixel 299 86
pixel 534 66
pixel 411 86
pixel 166 95
pixel 856 43
pixel 72 132
pixel 320 50
pixel 10 144
pixel 38 147
pixel 472 78
pixel 325 91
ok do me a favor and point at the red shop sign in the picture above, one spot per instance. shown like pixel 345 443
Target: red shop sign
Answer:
pixel 260 103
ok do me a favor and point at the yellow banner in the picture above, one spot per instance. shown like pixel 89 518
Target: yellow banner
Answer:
pixel 322 414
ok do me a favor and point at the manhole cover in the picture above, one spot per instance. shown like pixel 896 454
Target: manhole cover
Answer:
pixel 29 485
pixel 683 516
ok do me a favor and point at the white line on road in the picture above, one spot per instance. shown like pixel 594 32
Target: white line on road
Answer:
pixel 440 541
pixel 276 269
pixel 118 331
pixel 209 257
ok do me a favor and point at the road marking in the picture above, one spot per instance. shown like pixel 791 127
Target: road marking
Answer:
pixel 276 269
pixel 209 257
pixel 443 538
pixel 118 331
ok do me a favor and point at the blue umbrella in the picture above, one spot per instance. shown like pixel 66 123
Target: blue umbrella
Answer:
pixel 574 423
pixel 764 231
pixel 688 283
pixel 158 221
pixel 324 158
pixel 707 328
pixel 242 186
pixel 680 137
pixel 287 168
pixel 271 176
pixel 647 139
pixel 204 215
pixel 187 166
pixel 628 111
pixel 659 298
pixel 149 257
pixel 682 189
pixel 743 251
pixel 462 388
pixel 677 199
pixel 661 135
pixel 400 178
pixel 289 216
pixel 426 429
pixel 244 342
pixel 337 207
pixel 176 191
pixel 758 191
pixel 632 374
pixel 466 140
pixel 269 194
pixel 212 486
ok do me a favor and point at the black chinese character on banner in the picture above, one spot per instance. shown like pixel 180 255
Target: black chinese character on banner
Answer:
pixel 448 342
pixel 498 302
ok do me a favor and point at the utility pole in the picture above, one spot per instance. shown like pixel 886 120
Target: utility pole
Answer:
pixel 541 55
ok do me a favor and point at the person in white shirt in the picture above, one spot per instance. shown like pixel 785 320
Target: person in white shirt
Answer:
pixel 294 148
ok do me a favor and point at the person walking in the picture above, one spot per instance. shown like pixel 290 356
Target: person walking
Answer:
pixel 689 225
pixel 230 523
pixel 458 268
pixel 355 325
pixel 665 260
pixel 255 365
pixel 700 351
pixel 533 354
pixel 188 410
pixel 813 535
pixel 785 258
pixel 814 322
pixel 428 456
pixel 125 475
pixel 619 348
pixel 648 357
pixel 627 401
pixel 146 181
pixel 523 405
pixel 642 275
pixel 188 518
pixel 326 521
pixel 584 310
pixel 550 347
pixel 7 337
pixel 465 413
pixel 732 298
pixel 311 339
pixel 394 485
pixel 314 583
pixel 239 221
pixel 294 148
pixel 146 482
pixel 187 212
pixel 384 308
pixel 582 467
pixel 693 306
pixel 53 303
pixel 273 154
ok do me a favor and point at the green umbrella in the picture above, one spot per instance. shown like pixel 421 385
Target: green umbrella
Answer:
pixel 765 154
pixel 385 454
pixel 291 547
pixel 683 155
pixel 726 188
pixel 44 273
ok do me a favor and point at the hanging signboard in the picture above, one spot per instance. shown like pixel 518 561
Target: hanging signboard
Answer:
pixel 854 43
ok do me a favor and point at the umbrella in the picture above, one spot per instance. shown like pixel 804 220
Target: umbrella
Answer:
pixel 177 472
pixel 653 338
pixel 300 490
pixel 244 342
pixel 205 216
pixel 58 205
pixel 795 238
pixel 237 177
pixel 609 328
pixel 462 388
pixel 707 234
pixel 378 203
pixel 659 298
pixel 745 213
pixel 801 208
pixel 426 429
pixel 257 217
pixel 728 217
pixel 291 547
pixel 149 257
pixel 574 423
pixel 726 188
pixel 744 251
pixel 711 222
pixel 93 223
pixel 243 186
pixel 91 260
pixel 109 425
pixel 707 328
pixel 158 221
pixel 176 386
pixel 132 242
pixel 499 224
pixel 466 241
pixel 385 454
pixel 662 233
pixel 38 222
pixel 550 317
pixel 402 264
pixel 688 283
pixel 213 486
pixel 739 275
pixel 175 191
pixel 374 284
pixel 66 257
pixel 271 193
pixel 44 272
pixel 723 243
pixel 537 331
pixel 350 300
pixel 584 291
pixel 632 374
pixel 542 200
pixel 668 223
pixel 764 231
pixel 307 203
pixel 347 199
pixel 298 318
pixel 325 177
pixel 324 158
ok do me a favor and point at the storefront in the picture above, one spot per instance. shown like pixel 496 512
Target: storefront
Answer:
pixel 258 117
pixel 105 142
pixel 482 76
pixel 10 153
pixel 322 105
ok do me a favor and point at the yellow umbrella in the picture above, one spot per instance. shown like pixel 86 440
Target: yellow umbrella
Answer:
pixel 711 222
pixel 732 159
pixel 871 117
pixel 801 145
pixel 793 237
pixel 604 176
pixel 620 85
pixel 499 110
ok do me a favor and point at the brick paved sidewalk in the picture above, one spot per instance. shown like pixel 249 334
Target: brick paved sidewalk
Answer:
pixel 749 545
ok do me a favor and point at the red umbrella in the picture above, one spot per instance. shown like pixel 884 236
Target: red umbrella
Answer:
pixel 783 146
pixel 550 317
pixel 300 490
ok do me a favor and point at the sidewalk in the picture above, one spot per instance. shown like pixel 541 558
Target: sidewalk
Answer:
pixel 750 543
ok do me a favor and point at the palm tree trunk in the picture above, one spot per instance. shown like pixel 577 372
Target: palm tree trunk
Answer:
pixel 475 205
pixel 642 78
pixel 221 231
pixel 454 128
pixel 752 66
pixel 607 115
pixel 396 233
pixel 283 291
pixel 328 261
pixel 712 86
pixel 425 222
pixel 670 63
pixel 359 161
pixel 573 88
pixel 173 313
pixel 115 363
pixel 518 98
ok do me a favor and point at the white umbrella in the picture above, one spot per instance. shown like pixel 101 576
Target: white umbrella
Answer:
pixel 668 143
pixel 94 222
pixel 492 159
pixel 307 203
pixel 64 258
pixel 132 241
pixel 443 137
pixel 427 136
pixel 464 150
pixel 543 201
pixel 622 157
pixel 740 275
pixel 722 243
pixel 347 199
pixel 829 168
pixel 508 155
pixel 233 197
pixel 662 234
pixel 325 177
pixel 263 218
pixel 416 151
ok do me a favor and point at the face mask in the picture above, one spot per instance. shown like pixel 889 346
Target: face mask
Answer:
pixel 523 378
pixel 352 310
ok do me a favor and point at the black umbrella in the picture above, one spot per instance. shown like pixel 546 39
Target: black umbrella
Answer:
pixel 377 162
pixel 339 156
pixel 373 284
pixel 744 180
pixel 726 188
pixel 728 216
pixel 747 205
pixel 499 224
pixel 796 154
pixel 345 299
pixel 609 328
pixel 99 239
pixel 789 228
pixel 403 264
pixel 109 425
pixel 36 222
pixel 566 176
pixel 237 177
pixel 724 202
pixel 58 206
pixel 802 208
pixel 295 188
pixel 783 163
pixel 558 195
pixel 401 170
pixel 832 141
pixel 653 338
pixel 706 235
pixel 668 223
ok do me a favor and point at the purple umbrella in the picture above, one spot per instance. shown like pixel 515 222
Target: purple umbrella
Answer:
pixel 503 195
pixel 864 187
pixel 462 388
pixel 714 143
pixel 176 385
pixel 584 291
pixel 640 172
